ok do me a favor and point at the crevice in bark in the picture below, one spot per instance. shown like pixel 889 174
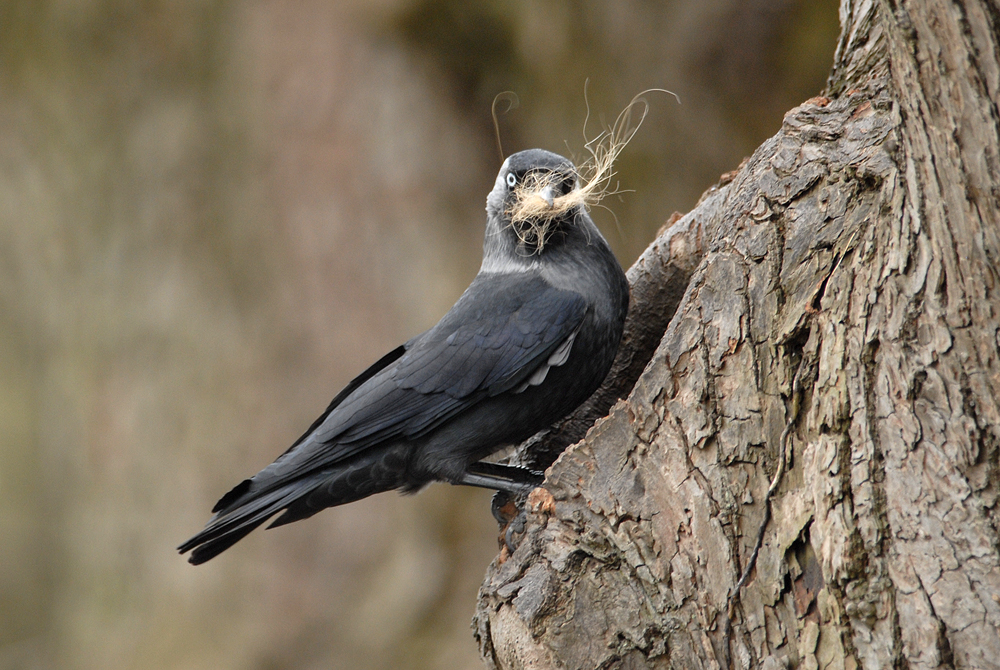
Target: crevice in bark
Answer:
pixel 805 575
pixel 802 365
pixel 943 646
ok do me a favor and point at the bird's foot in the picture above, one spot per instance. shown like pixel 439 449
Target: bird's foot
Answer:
pixel 509 511
pixel 515 531
pixel 503 508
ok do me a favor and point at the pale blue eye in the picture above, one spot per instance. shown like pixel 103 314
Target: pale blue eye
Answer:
pixel 511 180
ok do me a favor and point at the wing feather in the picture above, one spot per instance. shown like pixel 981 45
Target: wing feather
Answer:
pixel 505 332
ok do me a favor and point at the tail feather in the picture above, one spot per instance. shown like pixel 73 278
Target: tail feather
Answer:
pixel 226 529
pixel 216 545
pixel 247 506
pixel 352 481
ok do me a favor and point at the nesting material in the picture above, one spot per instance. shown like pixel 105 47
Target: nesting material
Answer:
pixel 531 214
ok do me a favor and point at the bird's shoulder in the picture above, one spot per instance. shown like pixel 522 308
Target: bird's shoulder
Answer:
pixel 499 331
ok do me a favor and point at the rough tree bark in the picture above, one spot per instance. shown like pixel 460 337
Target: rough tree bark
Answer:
pixel 840 289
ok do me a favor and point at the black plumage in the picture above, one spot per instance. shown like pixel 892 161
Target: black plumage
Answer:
pixel 530 339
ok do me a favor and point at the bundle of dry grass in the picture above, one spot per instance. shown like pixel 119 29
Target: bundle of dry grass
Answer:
pixel 532 214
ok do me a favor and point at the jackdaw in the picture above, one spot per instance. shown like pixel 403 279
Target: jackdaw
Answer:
pixel 530 339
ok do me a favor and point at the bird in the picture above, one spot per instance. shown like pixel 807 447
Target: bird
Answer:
pixel 530 339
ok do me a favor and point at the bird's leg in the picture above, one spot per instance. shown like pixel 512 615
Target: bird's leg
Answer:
pixel 518 481
pixel 512 485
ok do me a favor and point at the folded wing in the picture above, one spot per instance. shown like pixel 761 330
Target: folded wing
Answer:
pixel 483 347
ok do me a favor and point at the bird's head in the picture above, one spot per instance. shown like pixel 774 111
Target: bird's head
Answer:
pixel 535 200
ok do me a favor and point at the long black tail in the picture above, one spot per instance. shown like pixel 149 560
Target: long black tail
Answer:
pixel 250 504
pixel 230 526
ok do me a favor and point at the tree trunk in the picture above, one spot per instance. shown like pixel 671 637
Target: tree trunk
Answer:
pixel 836 339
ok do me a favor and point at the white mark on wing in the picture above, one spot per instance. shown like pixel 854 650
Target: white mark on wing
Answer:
pixel 560 355
pixel 557 358
pixel 538 377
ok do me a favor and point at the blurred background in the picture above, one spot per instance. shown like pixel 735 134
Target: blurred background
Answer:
pixel 213 214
